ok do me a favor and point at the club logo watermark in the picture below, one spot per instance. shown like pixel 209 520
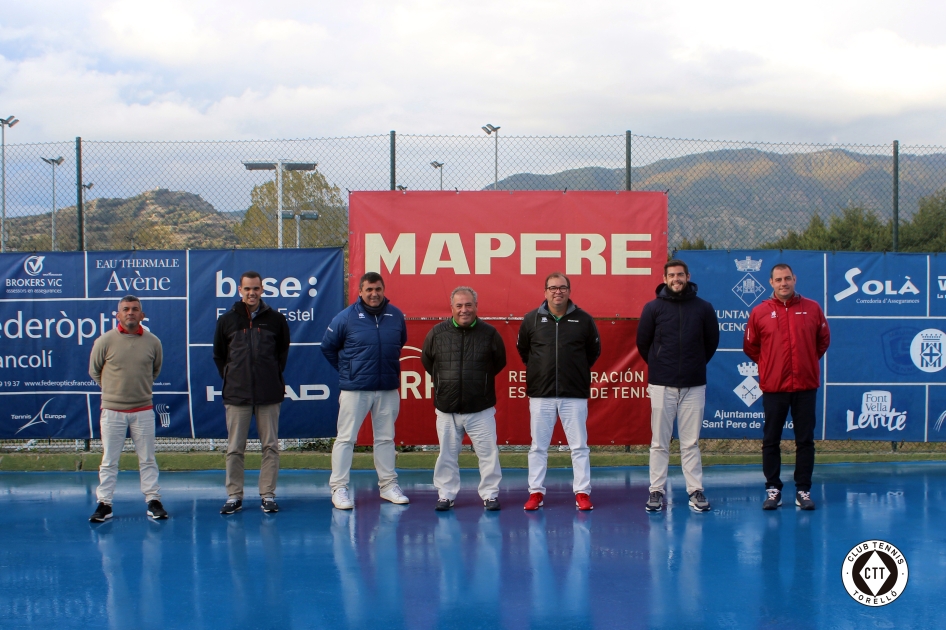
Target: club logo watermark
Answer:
pixel 926 350
pixel 748 289
pixel 874 573
pixel 164 414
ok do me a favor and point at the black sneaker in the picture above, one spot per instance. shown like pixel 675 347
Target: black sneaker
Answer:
pixel 268 505
pixel 803 500
pixel 445 504
pixel 698 502
pixel 492 504
pixel 773 499
pixel 655 502
pixel 156 510
pixel 102 513
pixel 231 506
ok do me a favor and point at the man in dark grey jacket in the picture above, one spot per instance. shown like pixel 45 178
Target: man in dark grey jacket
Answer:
pixel 463 356
pixel 677 336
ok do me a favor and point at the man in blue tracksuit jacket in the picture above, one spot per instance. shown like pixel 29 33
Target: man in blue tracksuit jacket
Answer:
pixel 364 344
pixel 677 336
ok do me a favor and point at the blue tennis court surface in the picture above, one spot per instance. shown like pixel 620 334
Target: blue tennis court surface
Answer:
pixel 387 566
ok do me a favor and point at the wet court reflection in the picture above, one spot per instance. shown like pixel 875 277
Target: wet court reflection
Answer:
pixel 383 565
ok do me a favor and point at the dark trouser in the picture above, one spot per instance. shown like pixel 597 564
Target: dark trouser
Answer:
pixel 776 406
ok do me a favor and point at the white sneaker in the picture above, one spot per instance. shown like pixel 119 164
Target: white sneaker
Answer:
pixel 341 500
pixel 394 495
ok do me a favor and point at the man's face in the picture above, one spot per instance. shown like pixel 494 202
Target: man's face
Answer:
pixel 676 278
pixel 783 283
pixel 464 308
pixel 557 292
pixel 250 290
pixel 130 315
pixel 372 293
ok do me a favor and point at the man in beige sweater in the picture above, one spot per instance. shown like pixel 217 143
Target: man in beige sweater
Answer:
pixel 124 362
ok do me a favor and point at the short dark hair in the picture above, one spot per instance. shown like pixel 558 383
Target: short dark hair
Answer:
pixel 129 298
pixel 558 274
pixel 676 263
pixel 371 277
pixel 250 274
pixel 780 266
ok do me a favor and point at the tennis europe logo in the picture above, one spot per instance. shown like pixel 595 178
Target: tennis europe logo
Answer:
pixel 874 573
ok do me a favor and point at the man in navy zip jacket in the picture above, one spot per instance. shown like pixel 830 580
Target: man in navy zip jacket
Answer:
pixel 364 344
pixel 677 336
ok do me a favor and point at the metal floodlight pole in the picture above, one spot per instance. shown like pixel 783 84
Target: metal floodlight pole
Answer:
pixel 54 162
pixel 4 123
pixel 439 166
pixel 494 131
pixel 279 166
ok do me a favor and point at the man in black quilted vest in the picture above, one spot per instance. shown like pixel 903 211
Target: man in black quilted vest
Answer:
pixel 463 356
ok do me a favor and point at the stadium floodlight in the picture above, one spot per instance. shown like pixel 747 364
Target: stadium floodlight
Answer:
pixel 4 123
pixel 279 166
pixel 494 131
pixel 439 166
pixel 54 162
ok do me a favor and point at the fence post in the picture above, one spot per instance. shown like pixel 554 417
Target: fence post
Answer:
pixel 393 162
pixel 896 195
pixel 627 160
pixel 80 227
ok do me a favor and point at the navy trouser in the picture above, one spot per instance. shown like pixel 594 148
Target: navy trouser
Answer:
pixel 777 406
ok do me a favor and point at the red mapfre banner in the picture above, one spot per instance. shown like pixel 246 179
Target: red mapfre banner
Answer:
pixel 504 243
pixel 618 411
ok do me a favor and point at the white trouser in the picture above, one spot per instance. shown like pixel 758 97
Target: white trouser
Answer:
pixel 353 406
pixel 481 427
pixel 573 413
pixel 686 405
pixel 114 426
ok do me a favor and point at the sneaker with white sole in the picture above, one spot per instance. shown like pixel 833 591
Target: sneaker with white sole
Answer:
pixel 773 499
pixel 394 495
pixel 232 506
pixel 156 510
pixel 803 500
pixel 102 513
pixel 655 502
pixel 698 502
pixel 341 500
pixel 269 505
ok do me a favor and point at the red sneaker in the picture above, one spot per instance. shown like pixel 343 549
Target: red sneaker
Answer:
pixel 535 501
pixel 583 501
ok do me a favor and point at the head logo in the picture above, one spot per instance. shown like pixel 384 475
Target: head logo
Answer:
pixel 39 418
pixel 926 350
pixel 33 265
pixel 873 287
pixel 874 573
pixel 164 413
pixel 877 410
pixel 748 390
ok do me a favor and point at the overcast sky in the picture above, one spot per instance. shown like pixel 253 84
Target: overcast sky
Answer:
pixel 860 71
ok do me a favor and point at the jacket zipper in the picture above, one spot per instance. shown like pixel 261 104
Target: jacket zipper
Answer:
pixel 462 344
pixel 556 358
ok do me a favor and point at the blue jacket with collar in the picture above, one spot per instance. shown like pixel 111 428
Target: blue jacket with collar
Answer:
pixel 366 348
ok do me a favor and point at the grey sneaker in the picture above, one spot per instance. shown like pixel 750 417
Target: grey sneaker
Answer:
pixel 492 504
pixel 443 505
pixel 698 502
pixel 655 502
pixel 773 499
pixel 803 500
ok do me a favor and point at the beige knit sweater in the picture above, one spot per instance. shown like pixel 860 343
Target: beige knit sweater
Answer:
pixel 125 366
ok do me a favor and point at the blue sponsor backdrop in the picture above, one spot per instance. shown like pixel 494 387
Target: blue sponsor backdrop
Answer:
pixel 55 305
pixel 885 367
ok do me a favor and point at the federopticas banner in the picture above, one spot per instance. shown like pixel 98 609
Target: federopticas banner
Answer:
pixel 884 376
pixel 53 307
pixel 504 244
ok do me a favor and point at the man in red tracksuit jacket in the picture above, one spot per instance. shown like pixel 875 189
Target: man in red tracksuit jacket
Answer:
pixel 786 336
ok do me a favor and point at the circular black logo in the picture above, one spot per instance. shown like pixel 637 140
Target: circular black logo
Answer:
pixel 874 573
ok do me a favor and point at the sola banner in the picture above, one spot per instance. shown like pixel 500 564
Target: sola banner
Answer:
pixel 618 411
pixel 504 243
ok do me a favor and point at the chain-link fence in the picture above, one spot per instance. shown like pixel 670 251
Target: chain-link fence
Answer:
pixel 177 195
pixel 173 195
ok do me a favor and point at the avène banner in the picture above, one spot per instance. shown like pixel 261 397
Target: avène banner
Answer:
pixel 612 245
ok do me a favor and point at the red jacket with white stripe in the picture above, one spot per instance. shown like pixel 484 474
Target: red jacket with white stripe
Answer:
pixel 787 341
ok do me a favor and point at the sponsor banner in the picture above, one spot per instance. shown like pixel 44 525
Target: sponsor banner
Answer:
pixel 736 281
pixel 504 243
pixel 877 285
pixel 46 339
pixel 885 368
pixel 618 410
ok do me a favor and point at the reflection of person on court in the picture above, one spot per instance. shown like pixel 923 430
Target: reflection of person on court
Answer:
pixel 125 362
pixel 463 356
